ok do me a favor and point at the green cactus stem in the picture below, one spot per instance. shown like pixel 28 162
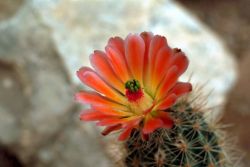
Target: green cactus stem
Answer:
pixel 191 142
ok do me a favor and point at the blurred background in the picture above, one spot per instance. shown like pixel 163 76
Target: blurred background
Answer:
pixel 43 43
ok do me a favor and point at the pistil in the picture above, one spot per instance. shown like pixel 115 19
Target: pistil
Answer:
pixel 133 90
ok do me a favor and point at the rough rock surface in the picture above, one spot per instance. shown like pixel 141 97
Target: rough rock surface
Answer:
pixel 37 106
pixel 46 41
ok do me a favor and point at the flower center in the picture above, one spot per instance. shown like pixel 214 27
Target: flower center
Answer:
pixel 133 90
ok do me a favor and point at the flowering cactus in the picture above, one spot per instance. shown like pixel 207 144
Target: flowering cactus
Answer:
pixel 136 80
pixel 137 92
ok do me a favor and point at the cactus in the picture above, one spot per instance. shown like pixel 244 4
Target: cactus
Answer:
pixel 191 142
pixel 137 93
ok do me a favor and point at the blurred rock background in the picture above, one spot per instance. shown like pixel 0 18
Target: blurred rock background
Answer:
pixel 231 21
pixel 43 43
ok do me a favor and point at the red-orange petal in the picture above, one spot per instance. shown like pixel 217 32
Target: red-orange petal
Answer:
pixel 118 43
pixel 151 125
pixel 90 78
pixel 134 121
pixel 113 121
pixel 118 63
pixel 101 65
pixel 163 61
pixel 125 133
pixel 156 44
pixel 124 121
pixel 128 127
pixel 167 102
pixel 181 61
pixel 168 82
pixel 110 129
pixel 167 120
pixel 181 88
pixel 91 115
pixel 134 52
pixel 93 98
pixel 81 71
pixel 110 111
pixel 110 121
pixel 147 37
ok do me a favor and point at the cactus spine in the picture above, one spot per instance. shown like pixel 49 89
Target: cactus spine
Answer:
pixel 191 142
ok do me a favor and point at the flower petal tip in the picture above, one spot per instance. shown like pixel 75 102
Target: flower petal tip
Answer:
pixel 151 125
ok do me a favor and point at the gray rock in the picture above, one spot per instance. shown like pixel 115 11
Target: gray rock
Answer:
pixel 9 8
pixel 37 96
pixel 13 102
pixel 78 145
pixel 43 45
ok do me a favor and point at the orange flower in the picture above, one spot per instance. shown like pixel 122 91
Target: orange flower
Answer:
pixel 135 82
